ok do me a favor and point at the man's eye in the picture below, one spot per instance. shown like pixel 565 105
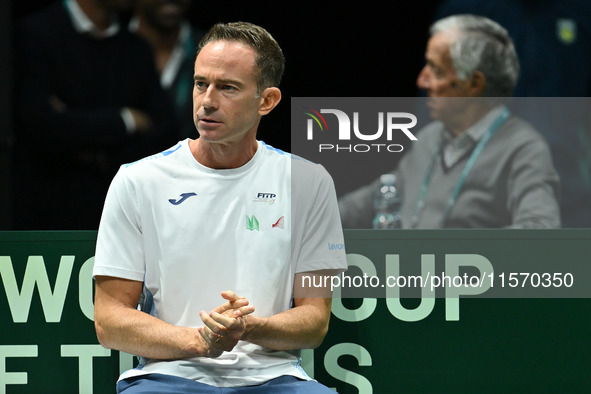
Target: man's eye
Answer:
pixel 439 73
pixel 435 70
pixel 228 88
pixel 200 85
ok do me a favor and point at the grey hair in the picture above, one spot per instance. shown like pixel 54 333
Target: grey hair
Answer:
pixel 481 45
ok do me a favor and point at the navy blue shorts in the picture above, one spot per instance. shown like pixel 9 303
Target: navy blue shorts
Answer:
pixel 168 384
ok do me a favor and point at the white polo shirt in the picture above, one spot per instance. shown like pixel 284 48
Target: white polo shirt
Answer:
pixel 190 232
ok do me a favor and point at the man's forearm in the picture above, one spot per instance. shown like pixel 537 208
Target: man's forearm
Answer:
pixel 119 325
pixel 138 333
pixel 302 327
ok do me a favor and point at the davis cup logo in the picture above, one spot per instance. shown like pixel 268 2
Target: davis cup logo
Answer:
pixel 388 124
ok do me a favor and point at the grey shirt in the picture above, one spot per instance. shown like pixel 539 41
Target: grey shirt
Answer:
pixel 513 183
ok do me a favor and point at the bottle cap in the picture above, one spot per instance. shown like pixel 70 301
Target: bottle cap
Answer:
pixel 388 179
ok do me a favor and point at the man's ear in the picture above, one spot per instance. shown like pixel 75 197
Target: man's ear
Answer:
pixel 269 99
pixel 477 84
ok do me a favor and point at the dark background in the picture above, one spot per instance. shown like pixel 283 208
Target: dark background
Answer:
pixel 335 49
pixel 375 49
pixel 332 50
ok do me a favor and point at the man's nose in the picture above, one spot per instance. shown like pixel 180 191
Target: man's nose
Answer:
pixel 210 99
pixel 423 80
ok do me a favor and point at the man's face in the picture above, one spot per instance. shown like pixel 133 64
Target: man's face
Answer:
pixel 165 15
pixel 438 78
pixel 225 102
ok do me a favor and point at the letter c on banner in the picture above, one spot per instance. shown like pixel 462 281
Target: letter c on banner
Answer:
pixel 368 306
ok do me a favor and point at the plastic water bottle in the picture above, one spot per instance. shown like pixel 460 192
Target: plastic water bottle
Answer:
pixel 387 202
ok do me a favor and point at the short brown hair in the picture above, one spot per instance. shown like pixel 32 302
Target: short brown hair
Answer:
pixel 269 56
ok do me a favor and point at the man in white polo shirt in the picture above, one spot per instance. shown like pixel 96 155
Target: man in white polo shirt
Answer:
pixel 225 224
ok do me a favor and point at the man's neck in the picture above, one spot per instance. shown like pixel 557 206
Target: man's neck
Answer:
pixel 473 113
pixel 223 156
pixel 97 13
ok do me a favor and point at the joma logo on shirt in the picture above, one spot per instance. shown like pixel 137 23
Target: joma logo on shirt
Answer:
pixel 184 196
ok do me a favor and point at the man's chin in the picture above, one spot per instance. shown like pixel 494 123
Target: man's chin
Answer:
pixel 434 111
pixel 434 105
pixel 210 136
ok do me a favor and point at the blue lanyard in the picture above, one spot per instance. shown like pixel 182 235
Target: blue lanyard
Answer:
pixel 467 168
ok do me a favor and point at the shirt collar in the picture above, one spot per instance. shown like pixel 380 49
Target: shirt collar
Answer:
pixel 456 147
pixel 478 129
pixel 83 24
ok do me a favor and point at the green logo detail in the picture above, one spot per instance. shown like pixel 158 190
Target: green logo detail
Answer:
pixel 252 223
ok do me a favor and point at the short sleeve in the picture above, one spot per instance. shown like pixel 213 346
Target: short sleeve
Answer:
pixel 119 249
pixel 317 234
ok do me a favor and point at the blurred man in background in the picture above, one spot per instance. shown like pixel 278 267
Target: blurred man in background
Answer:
pixel 476 165
pixel 165 25
pixel 551 39
pixel 87 100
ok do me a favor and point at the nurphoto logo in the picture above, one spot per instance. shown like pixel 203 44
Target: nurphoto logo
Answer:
pixel 388 123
